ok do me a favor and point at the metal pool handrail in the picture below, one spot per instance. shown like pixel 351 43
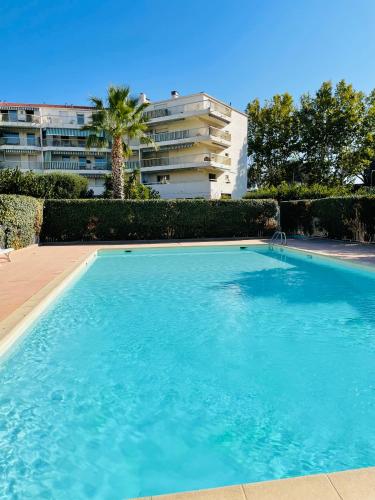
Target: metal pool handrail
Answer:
pixel 278 235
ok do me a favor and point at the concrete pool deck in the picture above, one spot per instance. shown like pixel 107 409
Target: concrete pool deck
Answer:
pixel 37 274
pixel 348 485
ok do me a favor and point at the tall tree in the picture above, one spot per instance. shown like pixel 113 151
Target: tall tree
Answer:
pixel 117 120
pixel 328 139
pixel 331 127
pixel 365 151
pixel 272 140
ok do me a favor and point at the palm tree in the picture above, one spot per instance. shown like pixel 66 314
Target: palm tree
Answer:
pixel 116 121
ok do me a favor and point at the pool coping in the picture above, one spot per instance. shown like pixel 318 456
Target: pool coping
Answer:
pixel 354 484
pixel 357 484
pixel 14 326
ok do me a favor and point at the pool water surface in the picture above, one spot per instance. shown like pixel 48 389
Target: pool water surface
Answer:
pixel 167 370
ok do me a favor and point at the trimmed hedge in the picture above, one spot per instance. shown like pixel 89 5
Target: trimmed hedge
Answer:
pixel 20 220
pixel 51 185
pixel 286 192
pixel 77 220
pixel 344 218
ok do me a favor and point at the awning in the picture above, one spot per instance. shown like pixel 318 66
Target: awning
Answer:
pixel 71 132
pixel 15 108
pixel 94 176
pixel 25 150
pixel 79 152
pixel 183 145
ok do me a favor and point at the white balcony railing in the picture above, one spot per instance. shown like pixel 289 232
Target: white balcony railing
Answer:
pixel 190 134
pixel 19 119
pixel 186 160
pixel 162 110
pixel 192 189
pixel 22 164
pixel 63 121
pixel 75 165
pixel 53 165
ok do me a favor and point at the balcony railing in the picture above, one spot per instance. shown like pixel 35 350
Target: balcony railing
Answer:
pixel 162 111
pixel 63 121
pixel 201 158
pixel 53 165
pixel 22 164
pixel 19 141
pixel 75 165
pixel 65 143
pixel 13 118
pixel 190 133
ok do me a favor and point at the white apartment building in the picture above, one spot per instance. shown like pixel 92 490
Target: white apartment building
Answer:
pixel 201 145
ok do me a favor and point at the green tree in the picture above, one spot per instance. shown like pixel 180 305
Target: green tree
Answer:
pixel 331 125
pixel 117 121
pixel 272 141
pixel 329 139
pixel 365 151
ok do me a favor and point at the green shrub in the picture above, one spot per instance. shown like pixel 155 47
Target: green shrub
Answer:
pixel 20 220
pixel 285 192
pixel 133 189
pixel 74 220
pixel 351 218
pixel 51 185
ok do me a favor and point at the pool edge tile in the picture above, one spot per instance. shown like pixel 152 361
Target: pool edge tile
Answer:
pixel 357 484
pixel 225 493
pixel 298 488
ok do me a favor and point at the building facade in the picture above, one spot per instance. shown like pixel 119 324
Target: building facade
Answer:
pixel 200 151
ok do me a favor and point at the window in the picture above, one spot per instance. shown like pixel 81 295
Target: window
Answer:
pixel 31 140
pixel 82 161
pixel 100 161
pixel 29 115
pixel 12 115
pixel 80 119
pixel 65 158
pixel 11 138
pixel 212 177
pixel 163 179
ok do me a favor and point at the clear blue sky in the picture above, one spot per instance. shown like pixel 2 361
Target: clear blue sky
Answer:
pixel 59 51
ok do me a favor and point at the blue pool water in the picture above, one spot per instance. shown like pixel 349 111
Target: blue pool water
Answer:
pixel 169 370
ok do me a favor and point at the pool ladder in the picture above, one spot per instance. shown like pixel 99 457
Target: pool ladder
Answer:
pixel 278 238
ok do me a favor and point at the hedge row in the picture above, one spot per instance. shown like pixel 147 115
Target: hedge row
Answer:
pixel 286 192
pixel 20 220
pixel 77 220
pixel 344 218
pixel 50 185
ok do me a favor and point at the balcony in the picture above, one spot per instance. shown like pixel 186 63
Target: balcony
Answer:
pixel 201 134
pixel 20 141
pixel 211 109
pixel 63 121
pixel 19 120
pixel 193 189
pixel 65 143
pixel 55 165
pixel 200 160
pixel 76 165
pixel 21 164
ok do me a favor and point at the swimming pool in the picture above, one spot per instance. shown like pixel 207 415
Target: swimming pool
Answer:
pixel 175 369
